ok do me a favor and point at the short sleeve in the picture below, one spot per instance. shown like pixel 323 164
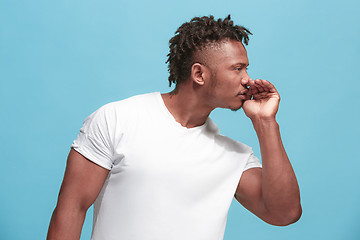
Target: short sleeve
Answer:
pixel 252 162
pixel 94 140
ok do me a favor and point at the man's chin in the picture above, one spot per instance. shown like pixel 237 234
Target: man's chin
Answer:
pixel 236 108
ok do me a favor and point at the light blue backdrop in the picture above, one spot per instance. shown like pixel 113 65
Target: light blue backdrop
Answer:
pixel 61 60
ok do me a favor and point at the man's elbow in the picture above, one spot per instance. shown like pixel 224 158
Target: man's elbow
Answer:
pixel 290 217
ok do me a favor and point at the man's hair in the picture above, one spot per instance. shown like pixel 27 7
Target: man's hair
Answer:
pixel 196 35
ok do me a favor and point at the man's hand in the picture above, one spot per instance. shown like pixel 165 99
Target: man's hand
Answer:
pixel 263 100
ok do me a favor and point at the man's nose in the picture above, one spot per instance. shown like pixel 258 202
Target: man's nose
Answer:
pixel 245 81
pixel 247 75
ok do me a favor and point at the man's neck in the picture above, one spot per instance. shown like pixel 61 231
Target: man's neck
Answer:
pixel 187 107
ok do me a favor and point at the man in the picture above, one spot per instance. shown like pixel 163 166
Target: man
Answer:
pixel 157 167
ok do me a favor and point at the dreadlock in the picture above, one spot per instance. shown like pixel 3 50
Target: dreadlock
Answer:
pixel 195 35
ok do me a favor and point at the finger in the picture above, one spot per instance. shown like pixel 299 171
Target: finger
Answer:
pixel 264 85
pixel 270 86
pixel 261 95
pixel 252 87
pixel 258 85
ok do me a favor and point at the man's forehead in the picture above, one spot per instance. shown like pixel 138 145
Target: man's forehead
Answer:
pixel 231 48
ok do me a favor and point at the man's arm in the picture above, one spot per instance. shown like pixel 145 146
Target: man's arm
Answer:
pixel 81 185
pixel 272 193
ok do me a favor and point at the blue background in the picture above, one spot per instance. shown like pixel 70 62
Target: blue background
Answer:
pixel 61 60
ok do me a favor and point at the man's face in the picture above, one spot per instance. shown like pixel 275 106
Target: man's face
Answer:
pixel 227 65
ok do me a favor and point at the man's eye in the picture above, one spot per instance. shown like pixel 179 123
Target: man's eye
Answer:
pixel 240 68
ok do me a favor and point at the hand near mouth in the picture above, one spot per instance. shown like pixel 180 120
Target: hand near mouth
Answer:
pixel 263 100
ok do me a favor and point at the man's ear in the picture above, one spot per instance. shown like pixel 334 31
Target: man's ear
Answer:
pixel 198 73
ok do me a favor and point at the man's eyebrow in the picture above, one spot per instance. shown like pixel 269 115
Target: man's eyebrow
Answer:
pixel 242 64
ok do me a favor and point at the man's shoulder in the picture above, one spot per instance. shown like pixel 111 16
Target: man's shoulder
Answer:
pixel 136 101
pixel 224 141
pixel 125 108
pixel 231 144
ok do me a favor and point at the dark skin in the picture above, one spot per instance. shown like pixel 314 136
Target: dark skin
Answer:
pixel 82 183
pixel 270 192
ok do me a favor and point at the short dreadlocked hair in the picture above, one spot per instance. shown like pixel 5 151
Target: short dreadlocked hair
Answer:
pixel 195 35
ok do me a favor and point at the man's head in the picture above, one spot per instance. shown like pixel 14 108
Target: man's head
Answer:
pixel 192 41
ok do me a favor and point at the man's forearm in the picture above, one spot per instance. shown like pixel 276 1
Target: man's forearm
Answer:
pixel 280 189
pixel 66 224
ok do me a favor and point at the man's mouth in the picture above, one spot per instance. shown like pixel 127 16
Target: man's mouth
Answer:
pixel 243 92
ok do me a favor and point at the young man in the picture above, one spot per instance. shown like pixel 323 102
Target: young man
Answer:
pixel 157 167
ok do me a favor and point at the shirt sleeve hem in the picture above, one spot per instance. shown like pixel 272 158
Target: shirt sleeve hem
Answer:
pixel 252 165
pixel 93 159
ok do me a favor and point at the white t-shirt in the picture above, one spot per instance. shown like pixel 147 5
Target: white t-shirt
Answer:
pixel 166 181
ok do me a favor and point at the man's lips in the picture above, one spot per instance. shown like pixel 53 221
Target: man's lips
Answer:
pixel 243 92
